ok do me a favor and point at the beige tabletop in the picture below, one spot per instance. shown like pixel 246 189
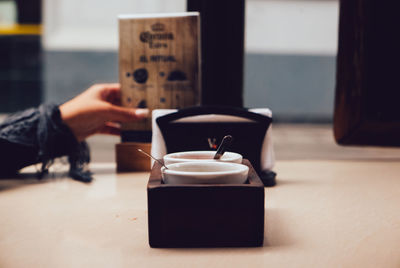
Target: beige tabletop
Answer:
pixel 336 213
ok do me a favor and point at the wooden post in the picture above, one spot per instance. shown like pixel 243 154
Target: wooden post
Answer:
pixel 222 50
pixel 367 110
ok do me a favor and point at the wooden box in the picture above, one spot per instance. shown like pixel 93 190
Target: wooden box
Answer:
pixel 128 157
pixel 205 215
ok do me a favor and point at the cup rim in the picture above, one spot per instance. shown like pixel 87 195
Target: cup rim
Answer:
pixel 228 156
pixel 239 168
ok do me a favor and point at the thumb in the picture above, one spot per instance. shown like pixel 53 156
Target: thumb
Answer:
pixel 123 114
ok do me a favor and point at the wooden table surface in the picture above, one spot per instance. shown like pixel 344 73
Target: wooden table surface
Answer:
pixel 322 213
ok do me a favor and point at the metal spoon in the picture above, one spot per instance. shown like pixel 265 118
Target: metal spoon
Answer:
pixel 149 155
pixel 225 143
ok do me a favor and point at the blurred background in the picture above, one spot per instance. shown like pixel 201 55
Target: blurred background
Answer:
pixel 53 49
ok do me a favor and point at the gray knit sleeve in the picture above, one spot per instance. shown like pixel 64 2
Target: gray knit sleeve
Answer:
pixel 38 135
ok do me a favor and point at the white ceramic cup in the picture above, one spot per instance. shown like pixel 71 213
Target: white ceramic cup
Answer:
pixel 201 156
pixel 205 173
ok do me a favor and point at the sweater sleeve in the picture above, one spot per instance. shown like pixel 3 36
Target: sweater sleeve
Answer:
pixel 37 135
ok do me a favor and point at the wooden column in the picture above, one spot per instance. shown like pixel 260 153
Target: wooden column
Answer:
pixel 367 110
pixel 222 50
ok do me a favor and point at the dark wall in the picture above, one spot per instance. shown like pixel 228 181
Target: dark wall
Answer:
pixel 20 72
pixel 21 62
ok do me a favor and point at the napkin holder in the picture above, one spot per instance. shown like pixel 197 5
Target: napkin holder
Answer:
pixel 205 215
pixel 202 127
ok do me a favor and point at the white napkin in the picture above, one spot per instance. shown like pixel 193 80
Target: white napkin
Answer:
pixel 158 148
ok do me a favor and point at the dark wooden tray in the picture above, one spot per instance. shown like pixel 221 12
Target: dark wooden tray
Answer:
pixel 205 215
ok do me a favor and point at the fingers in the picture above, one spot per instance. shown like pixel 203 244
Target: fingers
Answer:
pixel 113 97
pixel 110 93
pixel 124 115
pixel 110 130
pixel 108 86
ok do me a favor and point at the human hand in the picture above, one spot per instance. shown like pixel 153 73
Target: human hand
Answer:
pixel 97 110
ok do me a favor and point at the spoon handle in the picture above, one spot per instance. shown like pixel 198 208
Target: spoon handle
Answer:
pixel 225 143
pixel 149 155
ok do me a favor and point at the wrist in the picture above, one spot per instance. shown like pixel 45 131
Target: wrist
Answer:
pixel 65 117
